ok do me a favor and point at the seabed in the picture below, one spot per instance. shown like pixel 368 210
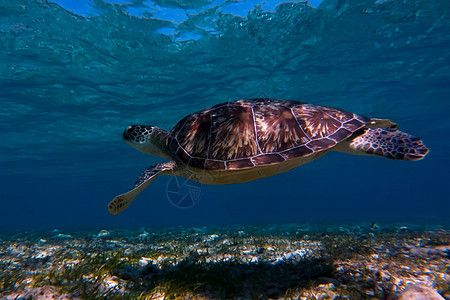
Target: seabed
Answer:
pixel 296 261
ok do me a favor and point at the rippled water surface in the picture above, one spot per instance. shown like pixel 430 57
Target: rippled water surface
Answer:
pixel 71 82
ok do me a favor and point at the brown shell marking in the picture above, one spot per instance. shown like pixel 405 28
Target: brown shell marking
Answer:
pixel 233 134
pixel 257 132
pixel 277 128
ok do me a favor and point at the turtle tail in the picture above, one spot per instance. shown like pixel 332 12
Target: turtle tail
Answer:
pixel 390 143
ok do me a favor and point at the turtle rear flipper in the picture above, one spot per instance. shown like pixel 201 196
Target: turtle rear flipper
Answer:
pixel 121 202
pixel 392 144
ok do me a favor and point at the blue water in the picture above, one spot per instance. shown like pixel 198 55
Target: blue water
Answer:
pixel 72 78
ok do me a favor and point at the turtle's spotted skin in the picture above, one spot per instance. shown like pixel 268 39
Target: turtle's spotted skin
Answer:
pixel 246 140
pixel 392 144
pixel 257 132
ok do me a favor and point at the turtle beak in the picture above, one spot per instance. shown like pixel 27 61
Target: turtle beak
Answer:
pixel 127 133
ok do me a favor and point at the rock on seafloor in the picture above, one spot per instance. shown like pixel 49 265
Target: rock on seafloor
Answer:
pixel 420 292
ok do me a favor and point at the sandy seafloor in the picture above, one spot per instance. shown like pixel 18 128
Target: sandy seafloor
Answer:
pixel 296 261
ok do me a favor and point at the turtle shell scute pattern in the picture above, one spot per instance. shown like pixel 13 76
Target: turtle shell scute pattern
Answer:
pixel 258 132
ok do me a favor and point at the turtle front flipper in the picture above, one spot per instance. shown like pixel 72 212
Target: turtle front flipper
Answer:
pixel 392 144
pixel 121 202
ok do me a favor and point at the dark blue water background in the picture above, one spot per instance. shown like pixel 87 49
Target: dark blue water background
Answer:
pixel 71 83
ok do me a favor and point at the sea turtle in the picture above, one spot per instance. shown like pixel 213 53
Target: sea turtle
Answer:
pixel 246 140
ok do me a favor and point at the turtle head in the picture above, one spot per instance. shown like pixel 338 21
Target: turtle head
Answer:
pixel 147 139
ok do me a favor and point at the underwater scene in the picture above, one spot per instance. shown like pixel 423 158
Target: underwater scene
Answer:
pixel 233 103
